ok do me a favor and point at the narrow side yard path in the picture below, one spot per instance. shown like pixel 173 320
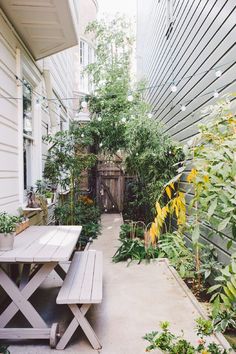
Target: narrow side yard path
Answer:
pixel 136 299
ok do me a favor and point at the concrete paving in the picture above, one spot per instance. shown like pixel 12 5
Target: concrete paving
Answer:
pixel 136 299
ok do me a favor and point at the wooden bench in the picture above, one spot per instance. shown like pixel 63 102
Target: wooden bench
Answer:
pixel 81 288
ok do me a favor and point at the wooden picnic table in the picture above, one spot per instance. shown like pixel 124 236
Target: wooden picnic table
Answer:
pixel 39 249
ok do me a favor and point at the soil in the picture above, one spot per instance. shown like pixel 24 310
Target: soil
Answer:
pixel 201 294
pixel 204 299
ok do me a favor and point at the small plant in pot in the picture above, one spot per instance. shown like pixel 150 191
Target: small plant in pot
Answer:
pixel 7 231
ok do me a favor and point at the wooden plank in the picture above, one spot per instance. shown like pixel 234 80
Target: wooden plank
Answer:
pixel 28 290
pixel 86 327
pixel 24 333
pixel 86 292
pixel 76 269
pixel 25 275
pixel 106 188
pixel 31 252
pixel 83 282
pixel 71 329
pixel 96 296
pixel 58 240
pixel 21 302
pixel 79 279
pixel 64 252
pixel 21 243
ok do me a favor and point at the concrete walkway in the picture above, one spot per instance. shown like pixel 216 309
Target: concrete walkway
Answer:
pixel 136 299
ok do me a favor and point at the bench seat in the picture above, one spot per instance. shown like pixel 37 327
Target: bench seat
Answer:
pixel 82 286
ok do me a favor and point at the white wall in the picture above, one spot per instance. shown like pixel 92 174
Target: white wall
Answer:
pixel 9 169
pixel 16 60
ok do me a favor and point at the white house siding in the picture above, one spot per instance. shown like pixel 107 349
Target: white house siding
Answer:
pixel 16 60
pixel 203 37
pixel 9 171
pixel 87 13
pixel 61 68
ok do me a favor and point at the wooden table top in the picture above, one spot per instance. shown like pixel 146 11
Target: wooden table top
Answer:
pixel 42 244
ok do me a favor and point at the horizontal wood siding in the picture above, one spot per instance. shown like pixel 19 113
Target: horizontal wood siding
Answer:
pixel 9 199
pixel 203 38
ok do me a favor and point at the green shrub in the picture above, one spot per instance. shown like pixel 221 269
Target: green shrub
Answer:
pixel 170 343
pixel 173 247
pixel 134 250
pixel 86 214
pixel 129 229
pixel 8 223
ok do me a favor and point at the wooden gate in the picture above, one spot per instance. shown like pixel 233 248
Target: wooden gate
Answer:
pixel 110 186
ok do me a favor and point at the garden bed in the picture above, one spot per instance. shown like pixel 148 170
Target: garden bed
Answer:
pixel 199 307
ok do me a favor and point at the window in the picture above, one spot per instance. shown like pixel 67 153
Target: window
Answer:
pixel 27 134
pixel 82 53
pixel 86 57
pixel 169 17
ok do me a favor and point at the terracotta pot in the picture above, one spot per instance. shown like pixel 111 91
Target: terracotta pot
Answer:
pixel 6 241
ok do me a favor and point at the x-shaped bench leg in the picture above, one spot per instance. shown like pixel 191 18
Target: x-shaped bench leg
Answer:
pixel 20 297
pixel 79 320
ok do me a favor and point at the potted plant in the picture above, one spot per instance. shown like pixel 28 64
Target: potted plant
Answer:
pixel 7 231
pixel 49 196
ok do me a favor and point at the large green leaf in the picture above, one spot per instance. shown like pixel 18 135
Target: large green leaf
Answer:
pixel 212 207
pixel 196 234
pixel 222 225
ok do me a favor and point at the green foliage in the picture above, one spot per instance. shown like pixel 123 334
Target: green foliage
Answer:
pixel 66 161
pixel 111 76
pixel 173 247
pixel 224 291
pixel 134 250
pixel 67 157
pixel 86 214
pixel 118 124
pixel 131 230
pixel 41 186
pixel 210 267
pixel 170 343
pixel 224 319
pixel 214 169
pixel 8 223
pixel 204 327
pixel 153 158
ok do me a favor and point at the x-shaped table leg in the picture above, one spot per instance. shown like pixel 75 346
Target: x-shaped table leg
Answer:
pixel 79 320
pixel 20 297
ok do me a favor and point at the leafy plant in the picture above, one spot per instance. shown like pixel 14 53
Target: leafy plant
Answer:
pixel 211 154
pixel 153 158
pixel 8 223
pixel 41 186
pixel 224 291
pixel 213 174
pixel 66 161
pixel 134 249
pixel 175 206
pixel 132 230
pixel 170 343
pixel 86 214
pixel 111 76
pixel 173 246
pixel 123 125
pixel 204 327
pixel 210 267
pixel 224 319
